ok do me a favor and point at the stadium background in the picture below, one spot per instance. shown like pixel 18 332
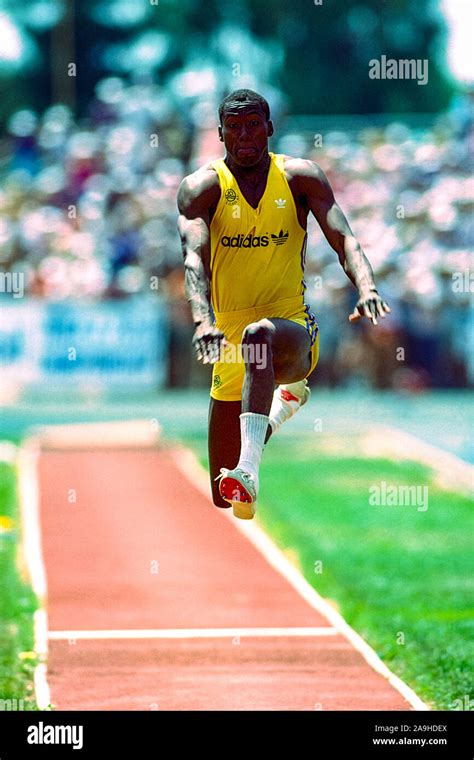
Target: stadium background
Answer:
pixel 109 104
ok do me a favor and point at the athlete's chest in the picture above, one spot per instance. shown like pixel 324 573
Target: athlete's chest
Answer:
pixel 252 192
pixel 274 194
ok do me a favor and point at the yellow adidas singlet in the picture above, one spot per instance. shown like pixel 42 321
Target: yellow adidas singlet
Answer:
pixel 257 268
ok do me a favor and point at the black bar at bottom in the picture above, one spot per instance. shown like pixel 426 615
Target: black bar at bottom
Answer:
pixel 317 734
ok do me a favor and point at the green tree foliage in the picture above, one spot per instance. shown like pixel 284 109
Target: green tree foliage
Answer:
pixel 320 49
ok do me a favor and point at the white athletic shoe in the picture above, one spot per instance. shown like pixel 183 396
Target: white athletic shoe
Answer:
pixel 287 399
pixel 239 488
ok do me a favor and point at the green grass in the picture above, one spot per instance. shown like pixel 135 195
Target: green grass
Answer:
pixel 403 578
pixel 17 605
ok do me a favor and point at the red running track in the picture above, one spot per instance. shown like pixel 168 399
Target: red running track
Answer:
pixel 141 548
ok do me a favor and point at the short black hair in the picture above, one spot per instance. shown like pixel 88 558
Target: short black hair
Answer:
pixel 244 96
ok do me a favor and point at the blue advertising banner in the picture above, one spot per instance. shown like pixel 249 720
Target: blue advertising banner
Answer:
pixel 114 342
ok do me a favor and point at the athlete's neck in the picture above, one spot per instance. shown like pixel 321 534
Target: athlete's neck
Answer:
pixel 249 173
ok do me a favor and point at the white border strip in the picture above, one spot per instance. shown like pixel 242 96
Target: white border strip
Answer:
pixel 101 435
pixel 8 452
pixel 188 464
pixel 451 472
pixel 191 633
pixel 28 495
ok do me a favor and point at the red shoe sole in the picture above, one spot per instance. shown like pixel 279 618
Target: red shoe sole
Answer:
pixel 232 490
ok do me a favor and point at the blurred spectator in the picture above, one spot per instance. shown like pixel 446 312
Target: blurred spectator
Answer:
pixel 89 210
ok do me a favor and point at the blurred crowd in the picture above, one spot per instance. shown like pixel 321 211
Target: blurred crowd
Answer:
pixel 409 197
pixel 88 210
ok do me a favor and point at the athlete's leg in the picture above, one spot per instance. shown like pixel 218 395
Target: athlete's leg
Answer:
pixel 277 351
pixel 274 351
pixel 289 397
pixel 223 441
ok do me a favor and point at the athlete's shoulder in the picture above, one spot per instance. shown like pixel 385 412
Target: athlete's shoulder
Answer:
pixel 304 168
pixel 201 189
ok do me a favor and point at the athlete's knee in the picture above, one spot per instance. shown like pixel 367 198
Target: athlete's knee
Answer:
pixel 258 332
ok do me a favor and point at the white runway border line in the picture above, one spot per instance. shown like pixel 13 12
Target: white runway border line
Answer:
pixel 188 464
pixel 28 495
pixel 191 633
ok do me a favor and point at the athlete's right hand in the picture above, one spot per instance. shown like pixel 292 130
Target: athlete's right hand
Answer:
pixel 207 342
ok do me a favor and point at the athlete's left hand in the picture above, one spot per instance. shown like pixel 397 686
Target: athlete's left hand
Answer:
pixel 370 305
pixel 208 342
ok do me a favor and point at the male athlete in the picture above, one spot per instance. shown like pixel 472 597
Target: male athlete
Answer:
pixel 242 225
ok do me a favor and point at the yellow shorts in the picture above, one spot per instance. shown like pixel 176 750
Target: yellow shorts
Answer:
pixel 228 374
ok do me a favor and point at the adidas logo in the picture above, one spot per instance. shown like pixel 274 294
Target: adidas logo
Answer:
pixel 253 241
pixel 281 238
pixel 245 241
pixel 281 202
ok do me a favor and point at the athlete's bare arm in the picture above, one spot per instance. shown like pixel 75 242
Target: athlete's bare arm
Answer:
pixel 198 196
pixel 314 193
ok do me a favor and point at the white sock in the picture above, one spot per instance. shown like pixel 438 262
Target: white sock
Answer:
pixel 253 429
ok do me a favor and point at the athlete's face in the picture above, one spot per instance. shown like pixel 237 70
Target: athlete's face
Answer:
pixel 245 132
